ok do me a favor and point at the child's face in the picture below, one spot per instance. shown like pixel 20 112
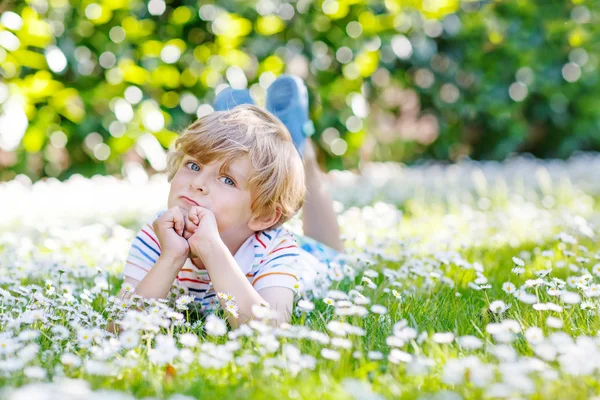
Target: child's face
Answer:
pixel 225 194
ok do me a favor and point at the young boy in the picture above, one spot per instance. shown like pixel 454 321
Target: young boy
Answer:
pixel 236 176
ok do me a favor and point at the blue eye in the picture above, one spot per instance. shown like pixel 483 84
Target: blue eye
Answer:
pixel 194 165
pixel 228 181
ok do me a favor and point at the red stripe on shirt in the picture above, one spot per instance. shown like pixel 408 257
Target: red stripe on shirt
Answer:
pixel 276 250
pixel 154 240
pixel 281 248
pixel 135 265
pixel 273 273
pixel 192 280
pixel 260 241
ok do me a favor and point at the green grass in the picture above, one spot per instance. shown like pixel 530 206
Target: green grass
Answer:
pixel 428 304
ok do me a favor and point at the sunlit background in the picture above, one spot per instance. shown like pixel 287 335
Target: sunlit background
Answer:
pixel 105 86
pixel 472 261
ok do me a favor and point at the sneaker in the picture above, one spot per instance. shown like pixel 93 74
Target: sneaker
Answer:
pixel 287 99
pixel 229 98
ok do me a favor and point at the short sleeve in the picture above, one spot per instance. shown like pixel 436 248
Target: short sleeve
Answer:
pixel 143 253
pixel 279 266
pixel 280 275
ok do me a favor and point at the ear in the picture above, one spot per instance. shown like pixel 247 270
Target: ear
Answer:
pixel 266 222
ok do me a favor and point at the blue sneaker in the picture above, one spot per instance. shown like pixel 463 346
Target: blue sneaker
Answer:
pixel 229 98
pixel 287 99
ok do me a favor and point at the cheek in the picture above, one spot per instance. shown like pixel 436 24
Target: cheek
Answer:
pixel 174 189
pixel 231 207
pixel 171 193
pixel 179 181
pixel 226 205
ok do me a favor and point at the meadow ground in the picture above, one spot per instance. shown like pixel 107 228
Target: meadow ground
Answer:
pixel 477 280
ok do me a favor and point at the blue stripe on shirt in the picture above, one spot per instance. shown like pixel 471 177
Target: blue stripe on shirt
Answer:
pixel 209 296
pixel 281 256
pixel 147 245
pixel 267 235
pixel 197 290
pixel 144 253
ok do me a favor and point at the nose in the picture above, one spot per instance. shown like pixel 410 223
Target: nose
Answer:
pixel 200 182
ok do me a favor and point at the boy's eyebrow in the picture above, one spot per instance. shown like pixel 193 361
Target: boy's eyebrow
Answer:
pixel 236 173
pixel 189 157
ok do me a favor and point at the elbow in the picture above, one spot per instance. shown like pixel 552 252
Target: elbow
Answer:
pixel 276 319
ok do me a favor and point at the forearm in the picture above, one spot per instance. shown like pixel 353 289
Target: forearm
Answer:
pixel 227 277
pixel 158 281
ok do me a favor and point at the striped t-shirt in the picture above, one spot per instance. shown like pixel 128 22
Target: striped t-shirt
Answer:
pixel 267 259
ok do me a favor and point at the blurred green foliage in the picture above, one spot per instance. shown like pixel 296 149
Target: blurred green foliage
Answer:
pixel 104 86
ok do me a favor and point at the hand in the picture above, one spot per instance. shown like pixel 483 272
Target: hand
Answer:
pixel 200 228
pixel 169 228
pixel 190 227
pixel 188 232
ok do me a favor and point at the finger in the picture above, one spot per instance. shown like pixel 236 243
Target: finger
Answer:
pixel 196 214
pixel 190 224
pixel 193 215
pixel 189 229
pixel 178 222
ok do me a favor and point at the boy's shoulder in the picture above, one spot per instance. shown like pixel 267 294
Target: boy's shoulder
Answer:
pixel 274 237
pixel 147 231
pixel 151 220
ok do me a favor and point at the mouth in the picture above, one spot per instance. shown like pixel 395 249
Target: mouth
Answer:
pixel 187 199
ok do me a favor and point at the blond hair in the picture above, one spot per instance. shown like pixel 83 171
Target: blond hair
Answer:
pixel 277 176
